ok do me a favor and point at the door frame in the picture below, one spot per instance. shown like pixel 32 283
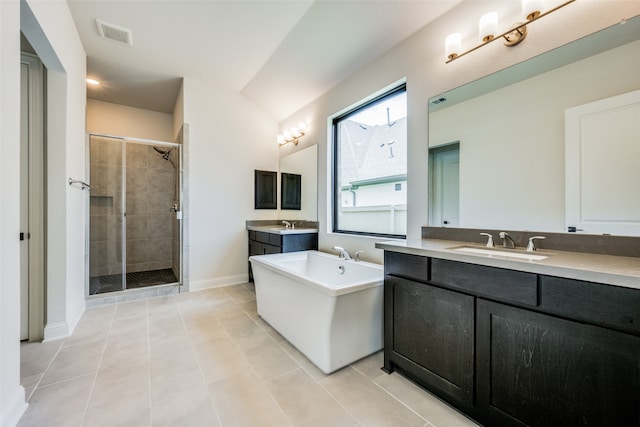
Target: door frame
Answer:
pixel 180 195
pixel 436 183
pixel 35 234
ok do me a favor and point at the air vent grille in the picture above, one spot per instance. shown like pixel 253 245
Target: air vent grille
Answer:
pixel 439 100
pixel 114 32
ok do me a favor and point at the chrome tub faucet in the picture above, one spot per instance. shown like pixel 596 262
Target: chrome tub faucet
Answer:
pixel 342 253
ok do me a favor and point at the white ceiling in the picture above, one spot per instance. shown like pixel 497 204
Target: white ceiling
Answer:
pixel 279 54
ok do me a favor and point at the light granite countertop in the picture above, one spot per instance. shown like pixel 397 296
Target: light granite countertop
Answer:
pixel 607 269
pixel 281 229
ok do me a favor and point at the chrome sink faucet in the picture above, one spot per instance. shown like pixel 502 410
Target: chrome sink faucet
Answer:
pixel 342 253
pixel 287 224
pixel 490 239
pixel 507 241
pixel 532 246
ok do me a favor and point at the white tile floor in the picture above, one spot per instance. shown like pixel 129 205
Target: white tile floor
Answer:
pixel 206 359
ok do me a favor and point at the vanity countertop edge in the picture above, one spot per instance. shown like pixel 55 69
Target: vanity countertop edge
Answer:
pixel 606 269
pixel 276 229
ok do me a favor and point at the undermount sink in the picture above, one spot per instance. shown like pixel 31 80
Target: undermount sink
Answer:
pixel 499 253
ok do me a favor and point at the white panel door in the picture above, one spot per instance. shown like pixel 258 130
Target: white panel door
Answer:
pixel 602 158
pixel 24 201
pixel 445 189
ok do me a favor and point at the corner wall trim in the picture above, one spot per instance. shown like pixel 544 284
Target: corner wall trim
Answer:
pixel 56 331
pixel 15 409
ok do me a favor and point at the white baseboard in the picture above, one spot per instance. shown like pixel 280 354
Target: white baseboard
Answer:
pixel 74 322
pixel 196 285
pixel 56 331
pixel 14 410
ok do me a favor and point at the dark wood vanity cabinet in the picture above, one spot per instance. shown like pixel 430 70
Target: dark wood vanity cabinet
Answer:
pixel 510 348
pixel 262 243
pixel 540 370
pixel 432 335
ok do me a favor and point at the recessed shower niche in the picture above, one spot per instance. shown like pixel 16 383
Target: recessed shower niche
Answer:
pixel 134 214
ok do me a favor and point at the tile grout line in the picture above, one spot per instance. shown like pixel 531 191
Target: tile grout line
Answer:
pixel 399 401
pixel 184 324
pixel 37 385
pixel 260 380
pixel 299 367
pixel 319 382
pixel 95 378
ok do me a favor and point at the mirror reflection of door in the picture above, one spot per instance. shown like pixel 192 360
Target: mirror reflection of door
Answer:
pixel 444 195
pixel 602 156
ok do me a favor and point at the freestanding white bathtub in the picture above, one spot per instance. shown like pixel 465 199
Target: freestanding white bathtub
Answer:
pixel 328 308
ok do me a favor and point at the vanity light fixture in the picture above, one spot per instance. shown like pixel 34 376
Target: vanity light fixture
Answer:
pixel 532 10
pixel 292 135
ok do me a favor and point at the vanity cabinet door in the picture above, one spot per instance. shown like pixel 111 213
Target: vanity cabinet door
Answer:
pixel 539 370
pixel 432 334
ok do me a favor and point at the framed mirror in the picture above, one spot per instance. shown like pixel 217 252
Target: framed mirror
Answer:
pixel 510 129
pixel 265 190
pixel 304 163
pixel 290 191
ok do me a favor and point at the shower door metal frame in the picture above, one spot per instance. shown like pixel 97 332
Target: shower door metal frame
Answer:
pixel 123 213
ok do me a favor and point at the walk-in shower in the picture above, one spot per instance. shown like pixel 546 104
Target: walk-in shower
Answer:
pixel 134 214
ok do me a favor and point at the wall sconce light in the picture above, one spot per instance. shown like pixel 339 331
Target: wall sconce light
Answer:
pixel 292 135
pixel 532 10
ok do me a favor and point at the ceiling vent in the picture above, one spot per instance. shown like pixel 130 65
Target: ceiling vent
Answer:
pixel 114 32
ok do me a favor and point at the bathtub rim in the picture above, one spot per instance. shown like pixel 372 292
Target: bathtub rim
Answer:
pixel 268 261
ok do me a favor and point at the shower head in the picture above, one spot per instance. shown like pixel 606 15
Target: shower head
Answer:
pixel 165 153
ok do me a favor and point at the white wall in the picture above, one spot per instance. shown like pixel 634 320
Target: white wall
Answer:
pixel 420 59
pixel 12 403
pixel 514 178
pixel 121 120
pixel 50 29
pixel 228 138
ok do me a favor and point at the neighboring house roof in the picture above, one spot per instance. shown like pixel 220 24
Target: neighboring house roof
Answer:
pixel 369 153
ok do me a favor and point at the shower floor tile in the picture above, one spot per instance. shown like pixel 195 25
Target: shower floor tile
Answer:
pixel 138 279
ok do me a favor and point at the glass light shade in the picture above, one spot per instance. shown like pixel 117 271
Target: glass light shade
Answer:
pixel 452 45
pixel 295 132
pixel 531 8
pixel 488 26
pixel 281 139
pixel 287 135
pixel 302 126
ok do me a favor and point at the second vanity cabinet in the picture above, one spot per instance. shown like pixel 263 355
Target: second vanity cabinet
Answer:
pixel 512 348
pixel 263 242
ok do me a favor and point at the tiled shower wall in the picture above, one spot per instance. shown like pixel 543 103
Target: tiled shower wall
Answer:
pixel 150 194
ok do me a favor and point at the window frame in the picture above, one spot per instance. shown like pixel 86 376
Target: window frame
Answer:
pixel 335 185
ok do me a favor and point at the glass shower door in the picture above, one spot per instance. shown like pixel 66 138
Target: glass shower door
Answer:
pixel 151 198
pixel 106 215
pixel 135 229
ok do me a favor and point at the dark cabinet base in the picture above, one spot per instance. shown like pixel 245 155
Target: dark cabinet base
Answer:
pixel 262 243
pixel 542 352
pixel 432 335
pixel 539 370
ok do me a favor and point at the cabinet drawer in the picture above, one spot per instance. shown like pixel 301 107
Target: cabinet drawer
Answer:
pixel 262 237
pixel 275 239
pixel 496 283
pixel 599 304
pixel 414 267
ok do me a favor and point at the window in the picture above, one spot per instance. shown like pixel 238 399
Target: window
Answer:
pixel 370 167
